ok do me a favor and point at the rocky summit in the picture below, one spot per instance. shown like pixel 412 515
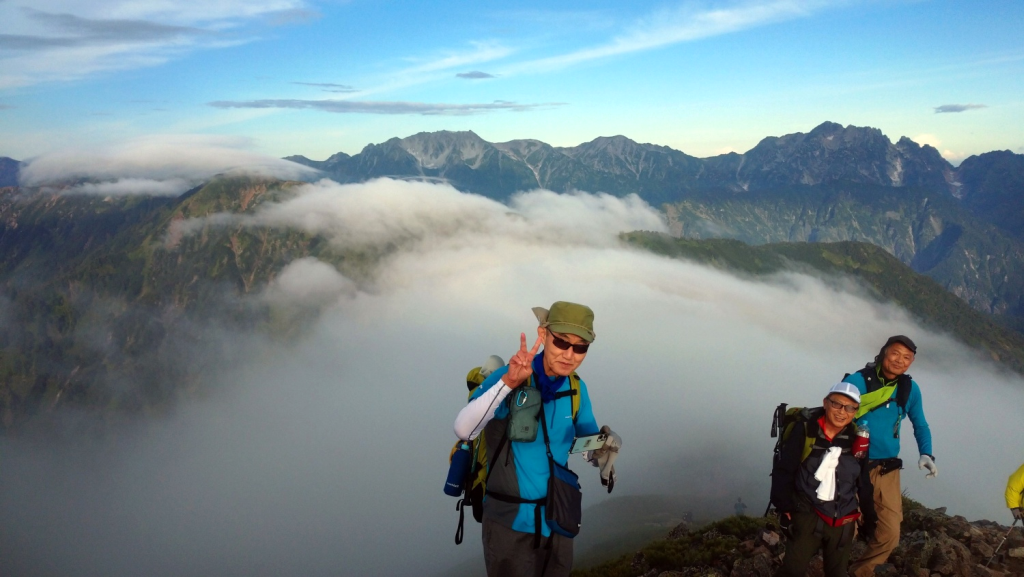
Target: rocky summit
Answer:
pixel 932 544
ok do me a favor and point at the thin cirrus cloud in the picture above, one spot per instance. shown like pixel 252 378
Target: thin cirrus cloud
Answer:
pixel 474 75
pixel 385 107
pixel 673 26
pixel 73 31
pixel 329 86
pixel 945 108
pixel 53 40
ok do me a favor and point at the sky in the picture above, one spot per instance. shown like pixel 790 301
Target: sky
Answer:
pixel 315 77
pixel 327 455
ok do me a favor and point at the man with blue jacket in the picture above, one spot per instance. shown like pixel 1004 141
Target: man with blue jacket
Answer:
pixel 889 395
pixel 517 538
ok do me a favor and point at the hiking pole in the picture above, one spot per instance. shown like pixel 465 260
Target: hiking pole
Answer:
pixel 994 553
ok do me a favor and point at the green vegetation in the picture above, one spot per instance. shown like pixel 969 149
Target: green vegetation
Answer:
pixel 883 275
pixel 927 230
pixel 102 298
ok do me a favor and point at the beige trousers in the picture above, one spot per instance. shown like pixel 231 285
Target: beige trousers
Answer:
pixel 889 507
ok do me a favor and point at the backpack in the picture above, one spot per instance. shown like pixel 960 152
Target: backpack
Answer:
pixel 785 420
pixel 479 471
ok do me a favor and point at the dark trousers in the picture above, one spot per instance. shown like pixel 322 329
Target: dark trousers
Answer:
pixel 810 533
pixel 509 553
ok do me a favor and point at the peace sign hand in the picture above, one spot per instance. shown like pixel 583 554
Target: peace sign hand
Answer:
pixel 520 366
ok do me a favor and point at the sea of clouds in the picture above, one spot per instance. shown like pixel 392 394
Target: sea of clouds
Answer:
pixel 327 456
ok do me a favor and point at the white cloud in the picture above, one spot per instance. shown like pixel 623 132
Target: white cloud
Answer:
pixel 309 281
pixel 682 24
pixel 479 53
pixel 953 156
pixel 929 139
pixel 59 40
pixel 384 107
pixel 163 161
pixel 133 186
pixel 385 211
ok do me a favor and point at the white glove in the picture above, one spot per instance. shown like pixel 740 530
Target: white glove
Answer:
pixel 604 458
pixel 927 462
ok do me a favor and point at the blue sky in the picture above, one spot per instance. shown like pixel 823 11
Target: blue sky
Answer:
pixel 316 77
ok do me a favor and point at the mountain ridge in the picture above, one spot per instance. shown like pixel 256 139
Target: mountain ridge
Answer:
pixel 828 153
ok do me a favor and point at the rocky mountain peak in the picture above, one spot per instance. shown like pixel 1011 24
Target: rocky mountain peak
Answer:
pixel 828 153
pixel 434 150
pixel 523 148
pixel 617 145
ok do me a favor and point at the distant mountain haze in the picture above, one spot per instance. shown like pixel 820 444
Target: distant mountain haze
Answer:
pixel 9 171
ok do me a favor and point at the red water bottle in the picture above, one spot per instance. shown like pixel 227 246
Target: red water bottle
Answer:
pixel 861 442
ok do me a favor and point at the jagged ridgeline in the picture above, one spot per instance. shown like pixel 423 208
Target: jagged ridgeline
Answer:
pixel 105 301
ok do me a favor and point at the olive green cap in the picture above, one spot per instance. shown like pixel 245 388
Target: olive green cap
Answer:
pixel 568 318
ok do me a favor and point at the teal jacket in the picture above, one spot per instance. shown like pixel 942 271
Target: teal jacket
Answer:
pixel 525 473
pixel 885 422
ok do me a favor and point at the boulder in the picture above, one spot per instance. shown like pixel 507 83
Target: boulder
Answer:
pixel 758 566
pixel 979 548
pixel 1016 552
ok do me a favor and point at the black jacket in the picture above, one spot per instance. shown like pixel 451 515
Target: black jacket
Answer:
pixel 794 486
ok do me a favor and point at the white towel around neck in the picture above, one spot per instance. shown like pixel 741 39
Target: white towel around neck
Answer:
pixel 826 473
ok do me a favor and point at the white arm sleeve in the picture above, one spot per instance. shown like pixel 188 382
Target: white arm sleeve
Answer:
pixel 477 413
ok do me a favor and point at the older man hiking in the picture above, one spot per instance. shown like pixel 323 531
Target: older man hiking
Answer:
pixel 889 395
pixel 532 504
pixel 820 488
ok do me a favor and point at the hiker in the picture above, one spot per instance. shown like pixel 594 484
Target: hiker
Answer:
pixel 522 535
pixel 888 395
pixel 1015 494
pixel 741 507
pixel 819 488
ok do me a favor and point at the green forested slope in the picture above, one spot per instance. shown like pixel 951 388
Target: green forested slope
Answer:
pixel 884 275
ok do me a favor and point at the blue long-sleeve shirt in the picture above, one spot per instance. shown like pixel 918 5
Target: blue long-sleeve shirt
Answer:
pixel 884 421
pixel 531 461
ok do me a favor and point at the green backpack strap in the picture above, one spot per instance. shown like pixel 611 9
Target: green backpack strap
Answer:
pixel 574 385
pixel 573 393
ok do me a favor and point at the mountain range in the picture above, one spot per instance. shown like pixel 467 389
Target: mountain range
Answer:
pixel 91 296
pixel 962 226
pixel 617 165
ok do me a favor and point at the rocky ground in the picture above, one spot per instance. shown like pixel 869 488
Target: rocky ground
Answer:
pixel 932 544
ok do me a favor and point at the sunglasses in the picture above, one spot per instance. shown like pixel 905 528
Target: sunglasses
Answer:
pixel 562 344
pixel 838 405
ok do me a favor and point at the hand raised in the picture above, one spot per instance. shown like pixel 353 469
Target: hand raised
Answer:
pixel 520 366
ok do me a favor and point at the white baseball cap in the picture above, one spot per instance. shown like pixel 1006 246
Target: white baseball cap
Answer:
pixel 846 389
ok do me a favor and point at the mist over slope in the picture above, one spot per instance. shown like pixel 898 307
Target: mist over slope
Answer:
pixel 326 456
